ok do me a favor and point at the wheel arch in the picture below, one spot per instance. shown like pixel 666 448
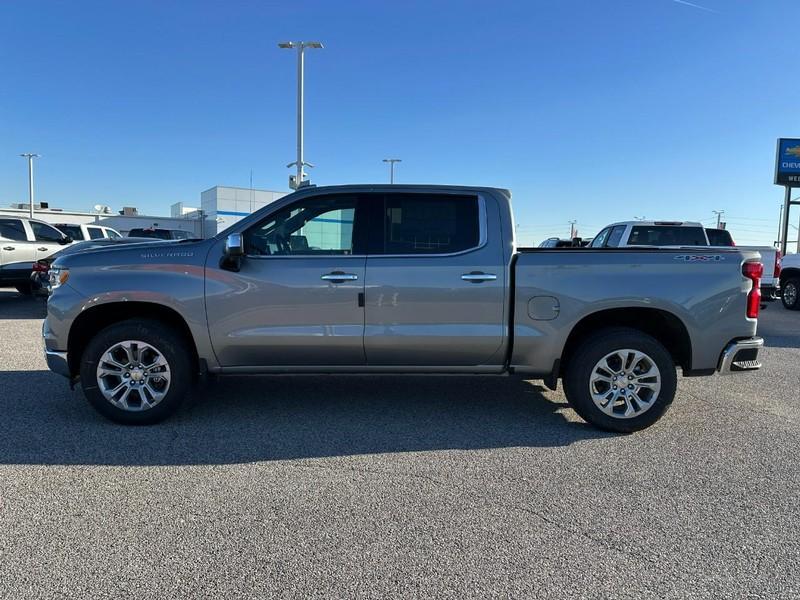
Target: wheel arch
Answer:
pixel 90 321
pixel 789 273
pixel 664 326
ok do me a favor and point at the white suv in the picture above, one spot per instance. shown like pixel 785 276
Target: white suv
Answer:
pixel 23 241
pixel 80 231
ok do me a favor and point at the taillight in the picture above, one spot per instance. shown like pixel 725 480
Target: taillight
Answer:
pixel 40 267
pixel 777 272
pixel 753 271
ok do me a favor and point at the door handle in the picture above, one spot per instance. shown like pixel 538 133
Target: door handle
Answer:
pixel 9 248
pixel 478 277
pixel 42 249
pixel 339 277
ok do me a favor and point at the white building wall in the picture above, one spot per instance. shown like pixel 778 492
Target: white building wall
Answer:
pixel 224 206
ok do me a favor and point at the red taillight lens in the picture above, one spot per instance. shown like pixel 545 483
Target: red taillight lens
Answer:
pixel 777 272
pixel 753 271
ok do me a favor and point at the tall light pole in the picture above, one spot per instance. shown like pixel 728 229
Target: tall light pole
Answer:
pixel 391 162
pixel 719 214
pixel 299 163
pixel 572 230
pixel 30 156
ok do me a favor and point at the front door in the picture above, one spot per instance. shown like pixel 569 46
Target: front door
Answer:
pixel 17 254
pixel 49 240
pixel 297 298
pixel 435 293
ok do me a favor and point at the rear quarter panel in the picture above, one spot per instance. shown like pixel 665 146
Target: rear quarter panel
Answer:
pixel 707 295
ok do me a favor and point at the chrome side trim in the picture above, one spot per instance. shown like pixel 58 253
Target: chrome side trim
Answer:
pixel 726 363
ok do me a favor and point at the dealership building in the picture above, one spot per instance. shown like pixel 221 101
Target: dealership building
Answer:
pixel 220 207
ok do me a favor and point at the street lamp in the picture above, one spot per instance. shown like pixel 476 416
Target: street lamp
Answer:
pixel 391 162
pixel 299 179
pixel 30 156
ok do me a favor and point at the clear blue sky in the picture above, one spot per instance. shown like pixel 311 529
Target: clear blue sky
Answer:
pixel 589 110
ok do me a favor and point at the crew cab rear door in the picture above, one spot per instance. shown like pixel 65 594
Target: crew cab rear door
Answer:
pixel 435 291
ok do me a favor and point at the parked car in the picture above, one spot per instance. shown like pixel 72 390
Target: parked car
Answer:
pixel 631 234
pixel 398 278
pixel 161 234
pixel 23 241
pixel 770 257
pixel 790 281
pixel 40 274
pixel 81 231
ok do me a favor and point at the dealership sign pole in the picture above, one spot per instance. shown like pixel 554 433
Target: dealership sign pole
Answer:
pixel 787 174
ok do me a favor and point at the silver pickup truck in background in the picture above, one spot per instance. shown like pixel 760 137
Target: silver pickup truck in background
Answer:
pixel 399 279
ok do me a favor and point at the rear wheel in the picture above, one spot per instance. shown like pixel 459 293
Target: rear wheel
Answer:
pixel 136 372
pixel 621 380
pixel 790 294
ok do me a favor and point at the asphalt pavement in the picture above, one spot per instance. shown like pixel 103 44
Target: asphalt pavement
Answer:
pixel 392 486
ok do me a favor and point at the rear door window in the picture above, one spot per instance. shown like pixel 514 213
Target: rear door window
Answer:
pixel 430 223
pixel 12 229
pixel 666 235
pixel 719 237
pixel 73 231
pixel 95 233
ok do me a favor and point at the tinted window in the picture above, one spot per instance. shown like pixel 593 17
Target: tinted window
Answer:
pixel 317 226
pixel 615 236
pixel 112 233
pixel 600 239
pixel 73 231
pixel 719 237
pixel 95 233
pixel 45 233
pixel 12 229
pixel 428 224
pixel 661 235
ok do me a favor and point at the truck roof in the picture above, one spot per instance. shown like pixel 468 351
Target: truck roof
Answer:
pixel 658 223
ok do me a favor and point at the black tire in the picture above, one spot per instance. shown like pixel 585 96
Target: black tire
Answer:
pixel 580 366
pixel 790 293
pixel 24 288
pixel 160 336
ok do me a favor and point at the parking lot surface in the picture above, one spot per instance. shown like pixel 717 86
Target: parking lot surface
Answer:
pixel 391 486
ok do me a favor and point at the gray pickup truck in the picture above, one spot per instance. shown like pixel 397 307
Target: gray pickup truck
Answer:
pixel 399 279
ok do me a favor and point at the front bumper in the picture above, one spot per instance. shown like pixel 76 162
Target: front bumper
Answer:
pixel 57 362
pixel 740 355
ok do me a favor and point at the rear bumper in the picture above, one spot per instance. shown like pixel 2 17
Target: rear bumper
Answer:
pixel 740 355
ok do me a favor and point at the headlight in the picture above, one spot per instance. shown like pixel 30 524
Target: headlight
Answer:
pixel 58 277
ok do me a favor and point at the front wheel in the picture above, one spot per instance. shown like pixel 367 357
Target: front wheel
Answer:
pixel 790 294
pixel 621 380
pixel 136 372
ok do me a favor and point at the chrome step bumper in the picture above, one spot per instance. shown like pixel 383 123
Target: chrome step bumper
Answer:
pixel 740 355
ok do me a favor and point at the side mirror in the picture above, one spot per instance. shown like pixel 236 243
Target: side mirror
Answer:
pixel 65 240
pixel 234 245
pixel 234 251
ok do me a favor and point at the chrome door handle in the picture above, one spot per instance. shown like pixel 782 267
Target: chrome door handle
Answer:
pixel 9 248
pixel 338 277
pixel 477 277
pixel 42 249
